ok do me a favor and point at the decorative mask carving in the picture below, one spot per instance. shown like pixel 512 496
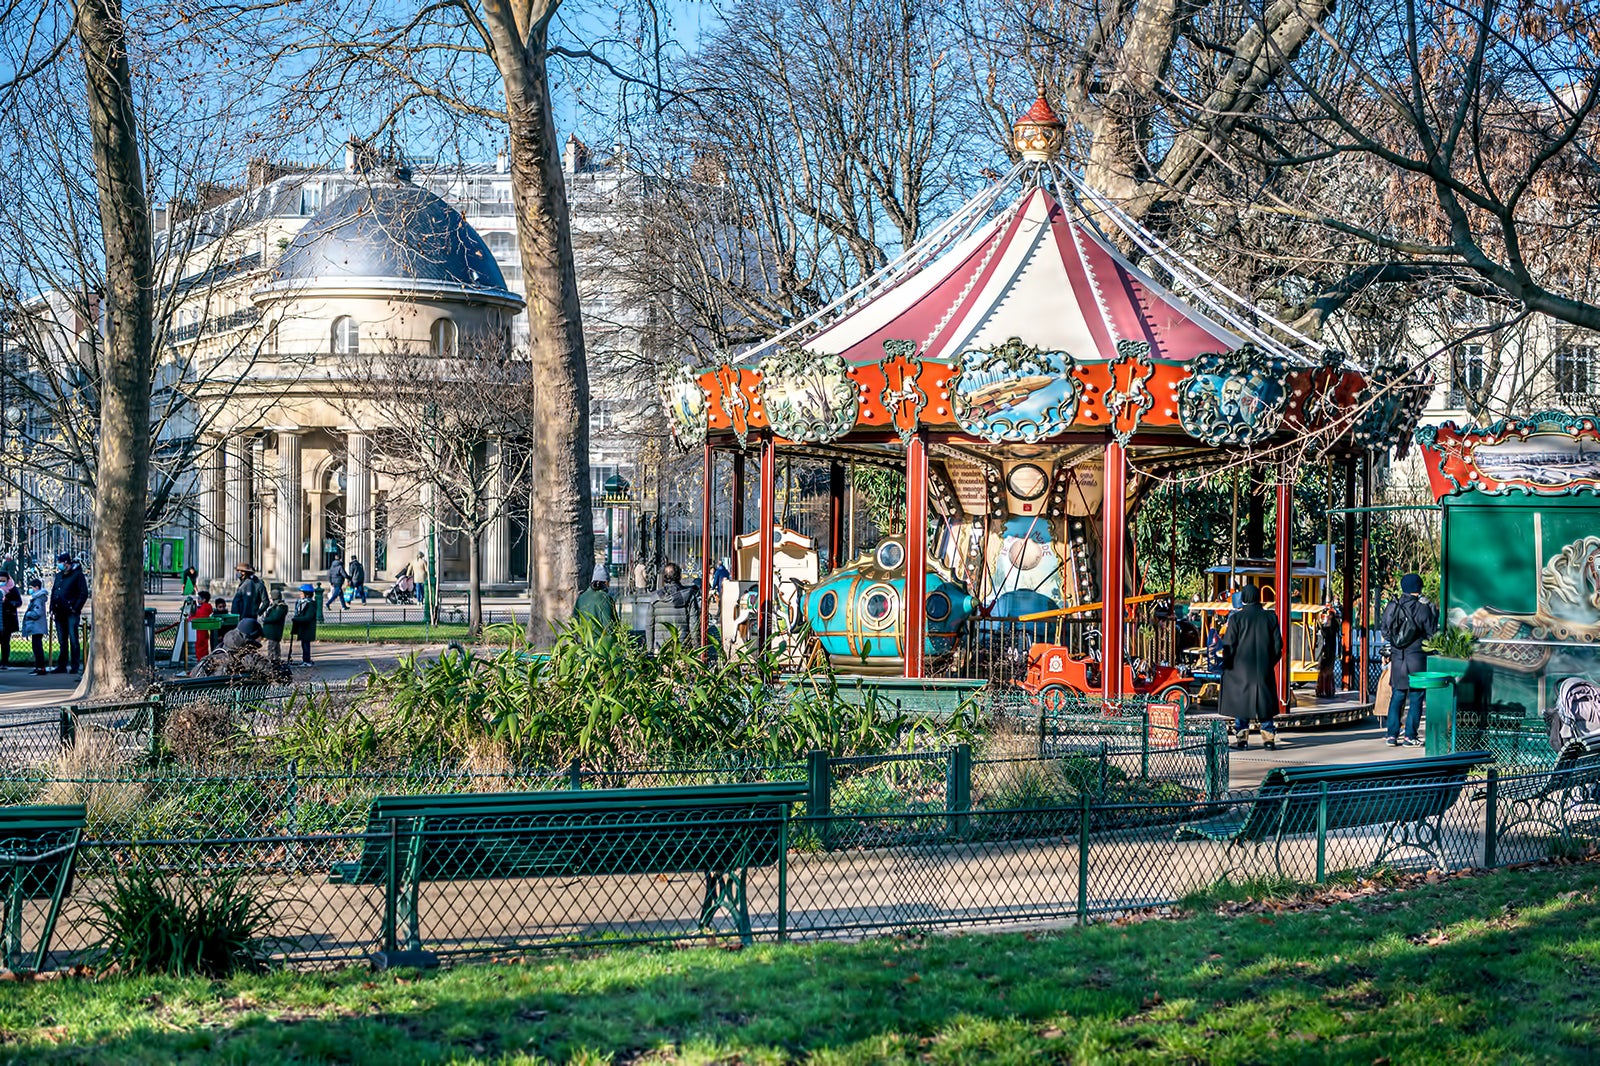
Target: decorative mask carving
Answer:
pixel 685 403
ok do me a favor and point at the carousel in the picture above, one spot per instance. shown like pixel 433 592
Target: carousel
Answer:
pixel 1034 387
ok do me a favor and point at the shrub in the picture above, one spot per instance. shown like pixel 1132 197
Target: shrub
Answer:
pixel 93 772
pixel 201 733
pixel 184 924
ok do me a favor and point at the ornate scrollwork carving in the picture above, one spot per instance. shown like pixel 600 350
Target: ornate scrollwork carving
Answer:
pixel 808 396
pixel 685 402
pixel 901 395
pixel 1237 397
pixel 1015 392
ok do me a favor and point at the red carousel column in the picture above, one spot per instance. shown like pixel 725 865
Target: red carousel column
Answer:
pixel 1283 580
pixel 1366 578
pixel 1113 509
pixel 836 490
pixel 769 518
pixel 916 551
pixel 708 477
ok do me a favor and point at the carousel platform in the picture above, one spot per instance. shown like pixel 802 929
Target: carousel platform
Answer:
pixel 1318 712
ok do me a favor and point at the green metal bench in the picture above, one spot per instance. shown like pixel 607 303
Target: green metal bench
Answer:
pixel 721 831
pixel 1549 799
pixel 38 847
pixel 1407 797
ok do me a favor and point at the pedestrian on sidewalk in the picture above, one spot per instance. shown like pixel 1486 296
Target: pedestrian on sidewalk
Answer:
pixel 1251 649
pixel 250 598
pixel 336 579
pixel 36 622
pixel 10 603
pixel 358 580
pixel 69 592
pixel 191 581
pixel 304 624
pixel 202 637
pixel 1407 622
pixel 677 610
pixel 272 623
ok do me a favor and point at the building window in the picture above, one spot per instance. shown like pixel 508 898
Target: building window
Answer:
pixel 503 246
pixel 1466 375
pixel 1575 370
pixel 310 199
pixel 346 336
pixel 443 337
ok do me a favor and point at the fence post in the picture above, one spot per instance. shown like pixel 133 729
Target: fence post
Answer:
pixel 1103 756
pixel 1144 744
pixel 1083 859
pixel 1042 711
pixel 575 775
pixel 391 889
pixel 1322 832
pixel 1213 793
pixel 819 798
pixel 1491 796
pixel 958 788
pixel 69 727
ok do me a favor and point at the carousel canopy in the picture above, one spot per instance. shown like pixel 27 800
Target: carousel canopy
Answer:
pixel 1018 320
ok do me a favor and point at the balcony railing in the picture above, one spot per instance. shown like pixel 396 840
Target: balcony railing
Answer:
pixel 247 316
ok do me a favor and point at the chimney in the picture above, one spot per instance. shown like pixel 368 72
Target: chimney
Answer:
pixel 350 156
pixel 500 161
pixel 573 158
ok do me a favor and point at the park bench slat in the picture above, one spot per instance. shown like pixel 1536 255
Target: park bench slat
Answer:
pixel 38 850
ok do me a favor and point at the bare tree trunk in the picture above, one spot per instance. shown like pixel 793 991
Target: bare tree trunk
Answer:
pixel 560 530
pixel 117 650
pixel 475 585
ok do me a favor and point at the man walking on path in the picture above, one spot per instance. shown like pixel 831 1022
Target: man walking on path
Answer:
pixel 69 592
pixel 596 602
pixel 1407 622
pixel 1250 649
pixel 250 598
pixel 336 578
pixel 272 622
pixel 358 580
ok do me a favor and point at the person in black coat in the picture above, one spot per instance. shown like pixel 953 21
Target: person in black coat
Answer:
pixel 1407 622
pixel 1251 649
pixel 69 592
pixel 10 604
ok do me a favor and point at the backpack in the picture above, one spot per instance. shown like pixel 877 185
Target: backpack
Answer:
pixel 1402 629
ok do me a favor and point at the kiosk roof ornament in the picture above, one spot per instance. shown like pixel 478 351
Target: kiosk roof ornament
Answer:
pixel 1038 134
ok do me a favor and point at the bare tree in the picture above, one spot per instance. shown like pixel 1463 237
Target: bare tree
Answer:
pixel 455 437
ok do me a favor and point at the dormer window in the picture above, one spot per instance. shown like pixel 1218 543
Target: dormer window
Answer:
pixel 346 336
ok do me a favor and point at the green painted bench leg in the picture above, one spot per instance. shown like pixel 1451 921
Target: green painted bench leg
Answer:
pixel 708 905
pixel 410 895
pixel 743 913
pixel 55 903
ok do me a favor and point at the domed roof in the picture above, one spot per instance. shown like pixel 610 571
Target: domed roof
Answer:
pixel 391 234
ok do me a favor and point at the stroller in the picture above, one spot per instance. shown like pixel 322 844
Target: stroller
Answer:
pixel 404 589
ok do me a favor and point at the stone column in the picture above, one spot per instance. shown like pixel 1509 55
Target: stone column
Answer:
pixel 289 510
pixel 236 547
pixel 497 534
pixel 210 513
pixel 260 499
pixel 358 498
pixel 315 497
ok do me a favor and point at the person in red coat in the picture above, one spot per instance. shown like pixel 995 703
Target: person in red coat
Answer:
pixel 202 639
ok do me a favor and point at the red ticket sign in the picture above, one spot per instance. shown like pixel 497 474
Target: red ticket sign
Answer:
pixel 1162 724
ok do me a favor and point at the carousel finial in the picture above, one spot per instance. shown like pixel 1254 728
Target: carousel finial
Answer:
pixel 1037 134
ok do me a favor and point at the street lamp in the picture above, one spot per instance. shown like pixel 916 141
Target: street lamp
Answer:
pixel 614 494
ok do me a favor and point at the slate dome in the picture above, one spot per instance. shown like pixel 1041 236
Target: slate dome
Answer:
pixel 391 234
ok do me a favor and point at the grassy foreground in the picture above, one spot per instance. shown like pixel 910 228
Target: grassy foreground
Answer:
pixel 1475 969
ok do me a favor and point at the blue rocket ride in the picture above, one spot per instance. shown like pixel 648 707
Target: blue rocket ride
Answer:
pixel 858 612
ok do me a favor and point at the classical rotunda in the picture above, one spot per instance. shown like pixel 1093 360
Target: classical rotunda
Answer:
pixel 384 269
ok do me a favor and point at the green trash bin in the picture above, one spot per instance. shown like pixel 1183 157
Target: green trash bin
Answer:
pixel 1439 709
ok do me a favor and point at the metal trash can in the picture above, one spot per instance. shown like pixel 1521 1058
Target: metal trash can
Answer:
pixel 1438 708
pixel 150 635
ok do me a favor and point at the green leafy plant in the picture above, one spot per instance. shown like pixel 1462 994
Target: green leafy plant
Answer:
pixel 1451 642
pixel 193 924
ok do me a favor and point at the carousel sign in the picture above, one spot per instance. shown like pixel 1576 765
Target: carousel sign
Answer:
pixel 1014 392
pixel 1551 453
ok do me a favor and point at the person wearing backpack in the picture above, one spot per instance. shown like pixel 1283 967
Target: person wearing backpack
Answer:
pixel 1407 622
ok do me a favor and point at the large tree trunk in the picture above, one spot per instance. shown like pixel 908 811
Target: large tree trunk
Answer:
pixel 122 482
pixel 475 584
pixel 560 520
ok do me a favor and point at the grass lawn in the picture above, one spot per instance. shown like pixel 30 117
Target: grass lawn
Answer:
pixel 1478 969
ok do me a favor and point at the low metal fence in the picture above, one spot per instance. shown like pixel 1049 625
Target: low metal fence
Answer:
pixel 832 873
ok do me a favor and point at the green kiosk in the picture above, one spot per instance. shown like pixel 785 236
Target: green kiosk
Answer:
pixel 1520 571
